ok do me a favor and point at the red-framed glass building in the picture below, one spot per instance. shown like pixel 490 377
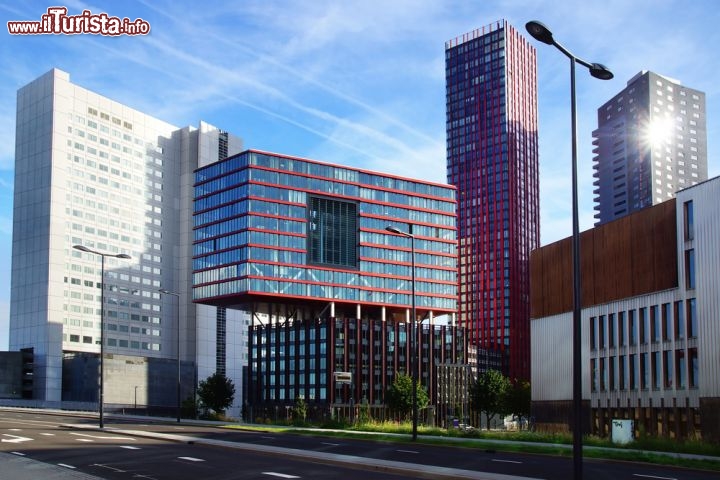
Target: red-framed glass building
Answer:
pixel 492 159
pixel 303 246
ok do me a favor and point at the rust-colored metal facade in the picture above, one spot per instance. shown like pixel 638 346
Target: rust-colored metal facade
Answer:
pixel 619 259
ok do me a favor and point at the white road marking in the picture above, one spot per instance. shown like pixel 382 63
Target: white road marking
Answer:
pixel 84 440
pixel 268 438
pixel 66 466
pixel 14 429
pixel 129 447
pixel 505 461
pixel 408 451
pixel 117 470
pixel 191 459
pixel 653 476
pixel 281 475
pixel 18 453
pixel 48 434
pixel 102 437
pixel 331 444
pixel 15 438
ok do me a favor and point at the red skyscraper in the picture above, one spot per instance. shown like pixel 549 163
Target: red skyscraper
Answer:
pixel 492 159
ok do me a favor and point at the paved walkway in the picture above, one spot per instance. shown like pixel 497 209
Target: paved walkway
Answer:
pixel 20 468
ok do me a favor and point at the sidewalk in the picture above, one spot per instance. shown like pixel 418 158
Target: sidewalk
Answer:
pixel 21 468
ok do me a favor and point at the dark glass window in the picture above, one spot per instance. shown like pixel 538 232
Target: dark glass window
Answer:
pixel 332 232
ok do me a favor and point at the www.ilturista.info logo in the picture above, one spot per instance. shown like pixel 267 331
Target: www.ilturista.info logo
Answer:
pixel 57 22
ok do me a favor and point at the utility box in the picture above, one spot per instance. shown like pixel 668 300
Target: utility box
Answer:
pixel 622 431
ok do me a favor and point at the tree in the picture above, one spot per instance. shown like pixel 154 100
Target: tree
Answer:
pixel 399 396
pixel 517 399
pixel 299 411
pixel 216 392
pixel 488 394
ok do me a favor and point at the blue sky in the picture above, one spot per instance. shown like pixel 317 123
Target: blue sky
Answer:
pixel 357 82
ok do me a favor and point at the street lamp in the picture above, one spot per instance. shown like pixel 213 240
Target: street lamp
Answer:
pixel 124 256
pixel 177 296
pixel 413 338
pixel 542 33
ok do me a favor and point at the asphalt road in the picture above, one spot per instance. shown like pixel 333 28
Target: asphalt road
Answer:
pixel 180 451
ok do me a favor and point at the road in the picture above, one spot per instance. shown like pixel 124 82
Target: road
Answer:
pixel 180 451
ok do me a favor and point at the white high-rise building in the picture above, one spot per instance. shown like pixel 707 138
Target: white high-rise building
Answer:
pixel 651 141
pixel 93 172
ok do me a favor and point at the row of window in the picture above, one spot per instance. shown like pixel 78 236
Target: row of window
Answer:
pixel 666 369
pixel 279 287
pixel 340 278
pixel 113 342
pixel 304 167
pixel 666 322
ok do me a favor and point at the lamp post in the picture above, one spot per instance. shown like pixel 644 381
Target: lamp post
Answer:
pixel 413 325
pixel 177 296
pixel 101 389
pixel 541 33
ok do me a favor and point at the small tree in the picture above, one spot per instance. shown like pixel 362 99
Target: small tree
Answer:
pixel 488 394
pixel 517 399
pixel 216 392
pixel 399 396
pixel 299 411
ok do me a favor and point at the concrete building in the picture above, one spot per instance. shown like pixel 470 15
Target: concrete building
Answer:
pixel 649 321
pixel 93 172
pixel 492 159
pixel 303 246
pixel 651 141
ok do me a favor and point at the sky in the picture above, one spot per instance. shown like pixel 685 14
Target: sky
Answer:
pixel 356 82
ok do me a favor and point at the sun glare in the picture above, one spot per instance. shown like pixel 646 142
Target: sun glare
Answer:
pixel 659 130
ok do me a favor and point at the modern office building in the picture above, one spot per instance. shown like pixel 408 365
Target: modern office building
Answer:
pixel 649 317
pixel 304 247
pixel 492 159
pixel 651 141
pixel 92 172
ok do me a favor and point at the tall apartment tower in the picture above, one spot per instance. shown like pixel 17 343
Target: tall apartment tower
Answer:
pixel 93 172
pixel 492 159
pixel 651 141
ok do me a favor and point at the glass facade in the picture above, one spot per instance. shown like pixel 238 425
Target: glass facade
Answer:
pixel 297 359
pixel 492 158
pixel 267 225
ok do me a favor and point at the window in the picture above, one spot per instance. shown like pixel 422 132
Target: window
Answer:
pixel 679 320
pixel 667 322
pixel 690 269
pixel 668 368
pixel 621 328
pixel 680 369
pixel 643 321
pixel 644 371
pixel 692 325
pixel 693 370
pixel 655 323
pixel 332 232
pixel 656 370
